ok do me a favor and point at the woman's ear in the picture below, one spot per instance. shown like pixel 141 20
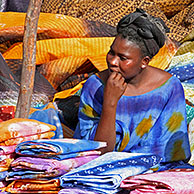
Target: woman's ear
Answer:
pixel 145 62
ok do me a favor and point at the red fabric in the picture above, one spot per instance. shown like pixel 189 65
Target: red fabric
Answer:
pixel 6 113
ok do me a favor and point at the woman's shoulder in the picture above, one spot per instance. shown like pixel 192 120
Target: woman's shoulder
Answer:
pixel 163 77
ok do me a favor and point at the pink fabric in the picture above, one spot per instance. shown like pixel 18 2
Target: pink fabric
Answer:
pixel 16 141
pixel 7 149
pixel 49 165
pixel 179 181
pixel 3 184
pixel 19 127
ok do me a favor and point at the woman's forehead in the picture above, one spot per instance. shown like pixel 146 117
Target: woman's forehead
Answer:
pixel 120 43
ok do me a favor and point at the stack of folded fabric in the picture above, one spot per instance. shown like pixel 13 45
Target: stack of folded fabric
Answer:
pixel 15 131
pixel 164 182
pixel 40 163
pixel 105 174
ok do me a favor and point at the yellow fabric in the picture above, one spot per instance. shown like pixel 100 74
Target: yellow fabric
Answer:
pixel 69 48
pixel 35 186
pixel 164 56
pixel 58 25
pixel 69 92
pixel 16 141
pixel 20 127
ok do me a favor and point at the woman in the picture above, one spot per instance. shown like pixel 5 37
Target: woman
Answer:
pixel 132 106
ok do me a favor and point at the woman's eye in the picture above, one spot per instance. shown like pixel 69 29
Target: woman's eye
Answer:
pixel 122 58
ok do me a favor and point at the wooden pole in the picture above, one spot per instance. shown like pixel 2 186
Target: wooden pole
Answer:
pixel 29 59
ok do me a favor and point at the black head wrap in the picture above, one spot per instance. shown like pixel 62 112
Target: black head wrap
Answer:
pixel 151 29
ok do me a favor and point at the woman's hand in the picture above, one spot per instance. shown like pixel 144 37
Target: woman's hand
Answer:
pixel 114 89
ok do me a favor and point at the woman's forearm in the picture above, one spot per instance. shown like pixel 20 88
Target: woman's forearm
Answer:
pixel 106 128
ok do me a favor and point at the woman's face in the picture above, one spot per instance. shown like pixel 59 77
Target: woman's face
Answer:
pixel 124 57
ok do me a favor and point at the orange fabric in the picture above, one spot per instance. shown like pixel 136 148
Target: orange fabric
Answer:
pixel 68 47
pixel 16 141
pixel 163 58
pixel 59 26
pixel 6 162
pixel 52 49
pixel 20 127
pixel 33 186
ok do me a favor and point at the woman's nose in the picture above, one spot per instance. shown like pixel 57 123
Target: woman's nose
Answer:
pixel 114 61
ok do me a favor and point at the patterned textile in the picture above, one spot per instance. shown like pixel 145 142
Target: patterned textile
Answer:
pixel 150 130
pixel 111 11
pixel 73 80
pixel 172 181
pixel 76 191
pixel 182 67
pixel 3 175
pixel 16 141
pixel 58 148
pixel 57 31
pixel 10 97
pixel 105 173
pixel 6 113
pixel 10 75
pixel 191 140
pixel 19 127
pixel 39 168
pixel 7 149
pixel 49 115
pixel 170 8
pixel 5 161
pixel 187 45
pixel 3 184
pixel 52 27
pixel 190 112
pixel 49 165
pixel 33 186
pixel 61 67
pixel 41 85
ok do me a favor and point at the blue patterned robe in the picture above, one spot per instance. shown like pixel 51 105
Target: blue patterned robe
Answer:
pixel 154 122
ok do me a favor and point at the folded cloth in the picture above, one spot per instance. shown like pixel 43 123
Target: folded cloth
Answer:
pixel 75 191
pixel 23 163
pixel 20 127
pixel 37 168
pixel 7 149
pixel 33 186
pixel 5 161
pixel 105 173
pixel 16 141
pixel 169 182
pixel 3 175
pixel 58 148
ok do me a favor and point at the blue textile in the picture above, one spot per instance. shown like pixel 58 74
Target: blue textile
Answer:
pixel 57 148
pixel 3 175
pixel 105 173
pixel 183 70
pixel 49 116
pixel 154 122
